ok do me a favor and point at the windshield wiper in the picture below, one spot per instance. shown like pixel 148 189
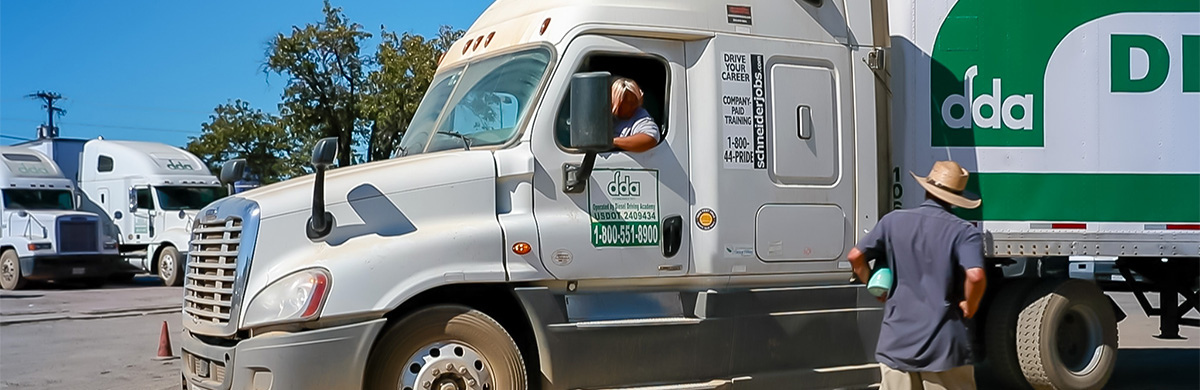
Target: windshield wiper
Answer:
pixel 466 141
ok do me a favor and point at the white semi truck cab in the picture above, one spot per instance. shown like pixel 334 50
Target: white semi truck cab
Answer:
pixel 506 245
pixel 149 192
pixel 43 236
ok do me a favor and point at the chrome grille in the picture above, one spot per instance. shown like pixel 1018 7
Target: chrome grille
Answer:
pixel 211 272
pixel 78 234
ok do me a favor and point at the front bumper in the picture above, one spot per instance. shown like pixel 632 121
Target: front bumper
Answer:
pixel 332 358
pixel 56 267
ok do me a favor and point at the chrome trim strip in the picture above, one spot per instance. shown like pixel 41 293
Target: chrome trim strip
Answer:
pixel 847 368
pixel 825 311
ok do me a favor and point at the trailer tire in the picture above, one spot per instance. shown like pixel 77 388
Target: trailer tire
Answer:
pixel 170 266
pixel 10 271
pixel 1001 366
pixel 419 349
pixel 1067 337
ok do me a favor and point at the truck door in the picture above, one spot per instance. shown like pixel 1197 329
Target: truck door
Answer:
pixel 143 216
pixel 629 221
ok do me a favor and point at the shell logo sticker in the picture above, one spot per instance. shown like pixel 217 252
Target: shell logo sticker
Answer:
pixel 706 219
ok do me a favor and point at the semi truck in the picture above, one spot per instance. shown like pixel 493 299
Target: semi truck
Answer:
pixel 43 235
pixel 148 192
pixel 506 245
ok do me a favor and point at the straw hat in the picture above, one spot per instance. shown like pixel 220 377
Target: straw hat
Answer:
pixel 946 181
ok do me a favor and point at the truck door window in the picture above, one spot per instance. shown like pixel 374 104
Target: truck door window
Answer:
pixel 105 164
pixel 649 72
pixel 144 200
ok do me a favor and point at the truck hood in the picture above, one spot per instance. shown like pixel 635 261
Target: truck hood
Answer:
pixel 388 177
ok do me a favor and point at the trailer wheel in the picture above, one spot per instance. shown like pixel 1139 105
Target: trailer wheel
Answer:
pixel 1000 334
pixel 10 271
pixel 446 347
pixel 170 266
pixel 1067 337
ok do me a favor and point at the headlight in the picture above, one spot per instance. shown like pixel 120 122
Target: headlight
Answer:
pixel 296 297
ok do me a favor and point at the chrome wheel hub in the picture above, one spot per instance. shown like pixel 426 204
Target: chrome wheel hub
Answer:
pixel 446 366
pixel 9 272
pixel 166 266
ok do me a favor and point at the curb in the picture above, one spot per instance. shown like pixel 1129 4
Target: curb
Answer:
pixel 92 315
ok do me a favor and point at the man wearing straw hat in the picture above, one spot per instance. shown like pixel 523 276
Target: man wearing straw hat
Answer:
pixel 937 262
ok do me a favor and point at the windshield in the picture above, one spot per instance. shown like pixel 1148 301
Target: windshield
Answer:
pixel 187 198
pixel 38 199
pixel 478 104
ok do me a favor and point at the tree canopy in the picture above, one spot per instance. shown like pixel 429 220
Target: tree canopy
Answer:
pixel 334 89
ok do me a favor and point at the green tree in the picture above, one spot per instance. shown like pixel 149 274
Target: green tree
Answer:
pixel 236 130
pixel 406 64
pixel 327 80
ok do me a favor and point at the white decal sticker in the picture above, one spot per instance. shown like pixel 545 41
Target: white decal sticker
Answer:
pixel 743 111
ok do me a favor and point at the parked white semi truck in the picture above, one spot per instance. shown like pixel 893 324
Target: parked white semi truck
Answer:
pixel 150 192
pixel 43 236
pixel 506 246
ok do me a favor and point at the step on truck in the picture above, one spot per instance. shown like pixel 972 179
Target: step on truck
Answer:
pixel 149 192
pixel 508 246
pixel 43 234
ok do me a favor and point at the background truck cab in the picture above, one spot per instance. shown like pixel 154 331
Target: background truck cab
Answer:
pixel 150 192
pixel 42 234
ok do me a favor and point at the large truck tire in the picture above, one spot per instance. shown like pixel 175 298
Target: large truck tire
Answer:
pixel 1001 368
pixel 1067 337
pixel 10 271
pixel 170 266
pixel 446 345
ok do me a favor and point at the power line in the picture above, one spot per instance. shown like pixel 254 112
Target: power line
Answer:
pixel 142 108
pixel 14 138
pixel 107 126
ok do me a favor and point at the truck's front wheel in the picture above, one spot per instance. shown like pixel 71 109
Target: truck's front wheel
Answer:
pixel 446 347
pixel 170 266
pixel 1067 337
pixel 10 271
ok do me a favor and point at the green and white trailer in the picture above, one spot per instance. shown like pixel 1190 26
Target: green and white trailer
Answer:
pixel 1079 122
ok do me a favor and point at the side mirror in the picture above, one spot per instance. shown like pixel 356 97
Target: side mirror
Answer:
pixel 591 126
pixel 133 200
pixel 591 112
pixel 324 153
pixel 321 222
pixel 232 171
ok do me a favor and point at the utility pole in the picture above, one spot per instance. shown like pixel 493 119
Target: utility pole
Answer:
pixel 48 99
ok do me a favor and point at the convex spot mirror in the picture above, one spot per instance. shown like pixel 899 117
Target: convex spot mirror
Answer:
pixel 591 112
pixel 324 152
pixel 232 171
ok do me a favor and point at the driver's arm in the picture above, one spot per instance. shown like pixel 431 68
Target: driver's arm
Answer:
pixel 637 143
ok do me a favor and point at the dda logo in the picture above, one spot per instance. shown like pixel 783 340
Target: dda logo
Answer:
pixel 32 169
pixel 622 185
pixel 178 166
pixel 1001 110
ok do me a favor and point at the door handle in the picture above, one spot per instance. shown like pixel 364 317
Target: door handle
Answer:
pixel 672 235
pixel 804 122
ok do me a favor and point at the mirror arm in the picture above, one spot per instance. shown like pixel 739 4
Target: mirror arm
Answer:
pixel 575 176
pixel 321 222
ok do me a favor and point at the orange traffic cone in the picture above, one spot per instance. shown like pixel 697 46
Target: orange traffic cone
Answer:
pixel 164 344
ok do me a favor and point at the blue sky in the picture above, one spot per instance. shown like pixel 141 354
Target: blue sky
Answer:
pixel 154 70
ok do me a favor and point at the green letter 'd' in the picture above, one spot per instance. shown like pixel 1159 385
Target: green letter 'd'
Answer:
pixel 1160 63
pixel 1191 63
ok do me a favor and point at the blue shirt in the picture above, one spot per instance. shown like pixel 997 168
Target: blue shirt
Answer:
pixel 639 123
pixel 928 250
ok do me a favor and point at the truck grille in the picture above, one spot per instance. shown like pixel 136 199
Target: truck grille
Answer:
pixel 212 264
pixel 77 234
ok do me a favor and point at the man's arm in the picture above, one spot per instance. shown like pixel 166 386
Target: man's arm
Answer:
pixel 635 143
pixel 858 262
pixel 973 289
pixel 969 251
